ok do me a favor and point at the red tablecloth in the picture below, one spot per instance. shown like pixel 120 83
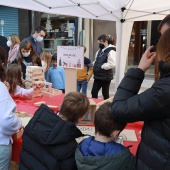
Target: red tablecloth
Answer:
pixel 27 105
pixel 137 126
pixel 17 145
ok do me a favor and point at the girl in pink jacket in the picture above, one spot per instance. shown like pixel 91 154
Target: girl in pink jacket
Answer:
pixel 13 42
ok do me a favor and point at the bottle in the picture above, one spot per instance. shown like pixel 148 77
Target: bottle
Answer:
pixel 78 63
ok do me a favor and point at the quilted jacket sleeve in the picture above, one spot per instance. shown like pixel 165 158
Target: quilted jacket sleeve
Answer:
pixel 130 106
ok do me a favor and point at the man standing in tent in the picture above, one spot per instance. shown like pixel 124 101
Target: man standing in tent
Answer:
pixel 36 39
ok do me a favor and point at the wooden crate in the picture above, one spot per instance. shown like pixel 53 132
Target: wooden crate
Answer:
pixel 92 110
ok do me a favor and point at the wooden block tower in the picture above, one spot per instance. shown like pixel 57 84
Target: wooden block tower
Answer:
pixel 34 76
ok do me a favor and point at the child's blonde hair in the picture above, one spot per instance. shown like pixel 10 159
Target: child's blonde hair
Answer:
pixel 13 77
pixel 14 39
pixel 46 57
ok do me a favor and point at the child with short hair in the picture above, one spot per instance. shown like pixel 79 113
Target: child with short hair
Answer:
pixel 49 139
pixel 45 61
pixel 14 79
pixel 84 75
pixel 102 152
pixel 56 75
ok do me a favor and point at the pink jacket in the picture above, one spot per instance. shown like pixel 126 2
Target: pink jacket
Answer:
pixel 13 52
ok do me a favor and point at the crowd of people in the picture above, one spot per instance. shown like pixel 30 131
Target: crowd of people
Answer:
pixel 49 139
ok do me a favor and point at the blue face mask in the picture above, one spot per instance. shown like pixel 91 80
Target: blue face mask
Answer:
pixel 39 38
pixel 26 54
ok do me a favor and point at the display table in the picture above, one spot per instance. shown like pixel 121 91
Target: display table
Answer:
pixel 137 127
pixel 27 105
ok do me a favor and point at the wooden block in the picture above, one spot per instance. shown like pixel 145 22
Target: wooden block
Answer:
pixel 53 92
pixel 34 73
pixel 56 92
pixel 18 134
pixel 39 82
pixel 71 80
pixel 46 93
pixel 36 95
pixel 34 69
pixel 39 103
pixel 28 85
pixel 52 107
pixel 35 78
pixel 92 102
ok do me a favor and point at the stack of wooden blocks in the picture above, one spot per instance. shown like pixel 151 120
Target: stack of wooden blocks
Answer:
pixel 34 76
pixel 49 91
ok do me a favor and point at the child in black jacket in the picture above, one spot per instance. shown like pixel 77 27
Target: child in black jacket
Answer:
pixel 49 139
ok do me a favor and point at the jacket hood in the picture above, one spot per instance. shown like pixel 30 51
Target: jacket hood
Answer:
pixel 91 147
pixel 48 128
pixel 122 160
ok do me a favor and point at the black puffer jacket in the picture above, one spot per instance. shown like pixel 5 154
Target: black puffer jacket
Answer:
pixel 49 142
pixel 152 107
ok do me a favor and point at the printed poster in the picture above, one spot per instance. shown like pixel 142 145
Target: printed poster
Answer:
pixel 125 135
pixel 70 57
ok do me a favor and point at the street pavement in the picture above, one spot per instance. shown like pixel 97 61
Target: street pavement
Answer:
pixel 148 81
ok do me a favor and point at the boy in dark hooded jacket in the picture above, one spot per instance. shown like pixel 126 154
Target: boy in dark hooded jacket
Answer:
pixel 102 152
pixel 49 139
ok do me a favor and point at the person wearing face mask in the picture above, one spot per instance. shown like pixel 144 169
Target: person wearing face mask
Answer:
pixel 13 43
pixel 27 56
pixel 36 38
pixel 104 64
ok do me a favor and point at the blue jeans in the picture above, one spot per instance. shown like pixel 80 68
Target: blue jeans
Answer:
pixel 5 156
pixel 82 85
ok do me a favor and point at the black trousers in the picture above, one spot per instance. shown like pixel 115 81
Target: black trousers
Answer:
pixel 97 84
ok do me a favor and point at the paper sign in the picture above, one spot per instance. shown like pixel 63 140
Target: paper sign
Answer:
pixel 125 135
pixel 70 57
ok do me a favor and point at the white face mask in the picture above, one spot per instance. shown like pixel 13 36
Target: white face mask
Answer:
pixel 26 54
pixel 39 38
pixel 9 43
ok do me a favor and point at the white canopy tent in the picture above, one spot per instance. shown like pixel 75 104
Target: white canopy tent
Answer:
pixel 124 12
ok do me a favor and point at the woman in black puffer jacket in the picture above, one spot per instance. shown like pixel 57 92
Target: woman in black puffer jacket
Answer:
pixel 151 106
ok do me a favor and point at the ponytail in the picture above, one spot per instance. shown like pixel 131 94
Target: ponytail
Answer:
pixel 111 40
